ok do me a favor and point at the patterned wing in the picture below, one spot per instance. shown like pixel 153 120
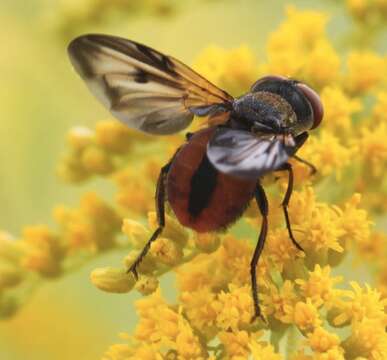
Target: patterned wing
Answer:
pixel 142 87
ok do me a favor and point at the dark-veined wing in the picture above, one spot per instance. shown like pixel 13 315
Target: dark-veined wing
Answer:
pixel 143 88
pixel 242 154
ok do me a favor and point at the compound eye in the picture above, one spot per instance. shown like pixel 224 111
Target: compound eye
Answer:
pixel 269 78
pixel 314 101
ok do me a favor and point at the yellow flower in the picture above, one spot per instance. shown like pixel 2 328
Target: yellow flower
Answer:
pixel 134 194
pixel 165 327
pixel 92 226
pixel 319 286
pixel 363 304
pixel 321 65
pixel 234 308
pixel 321 341
pixel 365 71
pixel 306 316
pixel 368 339
pixel 373 149
pixel 234 70
pixel 280 303
pixel 97 160
pixel 327 153
pixel 198 306
pixel 339 109
pixel 236 344
pixel 355 221
pixel 44 251
pixel 113 136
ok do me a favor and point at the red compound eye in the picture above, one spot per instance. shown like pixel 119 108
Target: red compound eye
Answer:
pixel 315 102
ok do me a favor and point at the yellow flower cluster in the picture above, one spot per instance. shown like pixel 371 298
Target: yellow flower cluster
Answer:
pixel 312 305
pixel 297 290
pixel 42 253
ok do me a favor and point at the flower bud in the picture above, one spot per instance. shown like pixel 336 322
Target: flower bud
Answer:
pixel 166 251
pixel 138 234
pixel 172 230
pixel 112 280
pixel 97 160
pixel 80 137
pixel 147 285
pixel 207 242
pixel 146 266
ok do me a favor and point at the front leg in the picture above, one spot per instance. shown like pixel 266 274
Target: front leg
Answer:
pixel 285 202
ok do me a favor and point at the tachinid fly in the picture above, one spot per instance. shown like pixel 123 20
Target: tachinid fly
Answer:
pixel 211 179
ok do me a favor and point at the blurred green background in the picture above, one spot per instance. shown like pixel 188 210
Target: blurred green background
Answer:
pixel 41 98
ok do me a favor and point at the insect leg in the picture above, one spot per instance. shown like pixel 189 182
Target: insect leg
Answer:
pixel 312 168
pixel 262 203
pixel 285 203
pixel 160 211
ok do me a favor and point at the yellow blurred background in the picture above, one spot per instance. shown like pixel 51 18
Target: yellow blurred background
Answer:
pixel 41 98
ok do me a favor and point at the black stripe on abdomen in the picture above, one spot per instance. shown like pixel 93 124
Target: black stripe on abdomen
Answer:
pixel 203 183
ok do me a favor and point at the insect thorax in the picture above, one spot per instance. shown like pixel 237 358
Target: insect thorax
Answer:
pixel 263 110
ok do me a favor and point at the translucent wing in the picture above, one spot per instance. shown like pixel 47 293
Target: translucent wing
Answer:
pixel 245 155
pixel 143 88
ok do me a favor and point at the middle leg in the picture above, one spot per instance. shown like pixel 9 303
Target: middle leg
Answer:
pixel 262 203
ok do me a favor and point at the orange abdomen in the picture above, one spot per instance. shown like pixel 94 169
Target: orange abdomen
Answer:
pixel 202 198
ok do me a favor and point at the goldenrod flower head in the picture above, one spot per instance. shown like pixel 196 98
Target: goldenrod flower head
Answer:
pixel 236 344
pixel 93 226
pixel 199 309
pixel 112 280
pixel 321 340
pixel 321 66
pixel 319 287
pixel 113 136
pixel 234 308
pixel 365 71
pixel 234 70
pixel 328 154
pixel 373 149
pixel 43 250
pixel 368 339
pixel 306 316
pixel 280 303
pixel 339 109
pixel 165 327
pixel 97 160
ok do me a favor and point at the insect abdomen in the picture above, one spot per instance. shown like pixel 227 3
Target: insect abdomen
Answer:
pixel 201 197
